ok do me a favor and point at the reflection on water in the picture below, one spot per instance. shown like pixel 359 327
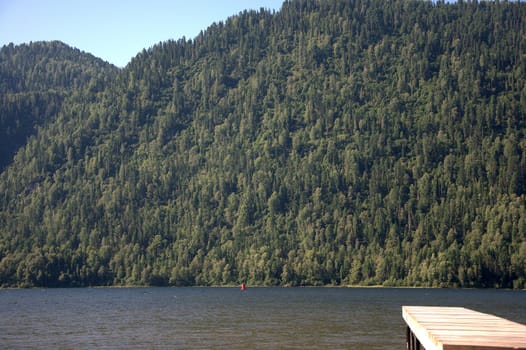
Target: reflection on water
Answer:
pixel 226 318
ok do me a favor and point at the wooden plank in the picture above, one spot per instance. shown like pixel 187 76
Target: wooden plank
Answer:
pixel 458 328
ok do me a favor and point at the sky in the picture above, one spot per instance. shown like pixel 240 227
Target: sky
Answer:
pixel 115 30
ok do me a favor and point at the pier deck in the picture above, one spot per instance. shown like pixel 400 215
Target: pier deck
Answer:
pixel 458 328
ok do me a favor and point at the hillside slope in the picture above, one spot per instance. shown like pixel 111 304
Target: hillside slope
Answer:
pixel 35 79
pixel 333 142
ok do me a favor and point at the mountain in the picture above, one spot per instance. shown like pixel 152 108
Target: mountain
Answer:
pixel 331 142
pixel 34 81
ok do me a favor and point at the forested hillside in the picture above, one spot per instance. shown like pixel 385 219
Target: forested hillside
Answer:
pixel 332 142
pixel 34 80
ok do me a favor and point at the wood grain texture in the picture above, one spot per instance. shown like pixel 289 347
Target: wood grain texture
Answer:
pixel 458 328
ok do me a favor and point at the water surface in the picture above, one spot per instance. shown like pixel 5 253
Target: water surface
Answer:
pixel 226 318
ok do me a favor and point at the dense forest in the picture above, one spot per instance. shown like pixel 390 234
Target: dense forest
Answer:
pixel 335 142
pixel 34 81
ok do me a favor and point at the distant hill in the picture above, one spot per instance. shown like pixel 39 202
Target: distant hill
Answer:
pixel 332 142
pixel 34 80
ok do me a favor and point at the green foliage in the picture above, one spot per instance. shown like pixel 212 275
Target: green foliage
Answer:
pixel 34 81
pixel 333 142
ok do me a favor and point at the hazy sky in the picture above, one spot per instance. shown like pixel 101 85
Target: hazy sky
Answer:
pixel 115 30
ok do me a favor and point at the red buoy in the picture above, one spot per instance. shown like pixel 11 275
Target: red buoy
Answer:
pixel 243 287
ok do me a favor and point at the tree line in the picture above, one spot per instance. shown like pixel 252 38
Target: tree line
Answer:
pixel 331 142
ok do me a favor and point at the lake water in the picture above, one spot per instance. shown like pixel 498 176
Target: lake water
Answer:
pixel 226 318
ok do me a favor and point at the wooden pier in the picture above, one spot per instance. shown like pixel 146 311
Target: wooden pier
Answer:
pixel 458 328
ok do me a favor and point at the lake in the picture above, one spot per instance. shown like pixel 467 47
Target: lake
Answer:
pixel 227 318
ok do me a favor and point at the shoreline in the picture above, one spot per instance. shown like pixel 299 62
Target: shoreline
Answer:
pixel 260 286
